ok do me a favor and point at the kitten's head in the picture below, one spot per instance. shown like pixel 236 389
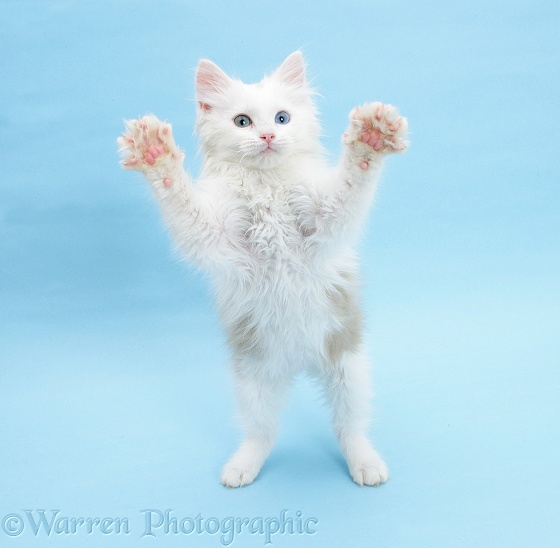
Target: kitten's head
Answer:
pixel 258 126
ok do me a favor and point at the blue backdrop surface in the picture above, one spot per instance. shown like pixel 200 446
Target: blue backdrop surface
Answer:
pixel 116 404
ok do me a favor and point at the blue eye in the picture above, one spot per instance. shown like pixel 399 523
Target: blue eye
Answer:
pixel 242 120
pixel 282 117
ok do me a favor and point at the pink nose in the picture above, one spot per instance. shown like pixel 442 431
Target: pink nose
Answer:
pixel 267 137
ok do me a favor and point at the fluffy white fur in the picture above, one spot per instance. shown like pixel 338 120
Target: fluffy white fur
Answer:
pixel 274 226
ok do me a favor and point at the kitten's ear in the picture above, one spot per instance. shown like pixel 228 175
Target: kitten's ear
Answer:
pixel 211 81
pixel 292 70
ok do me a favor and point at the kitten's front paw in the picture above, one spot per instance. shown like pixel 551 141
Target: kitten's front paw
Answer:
pixel 147 145
pixel 374 128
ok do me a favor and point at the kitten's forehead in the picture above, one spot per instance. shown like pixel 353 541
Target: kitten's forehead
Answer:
pixel 262 97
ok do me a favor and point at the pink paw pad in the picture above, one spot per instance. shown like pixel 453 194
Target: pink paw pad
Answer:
pixel 145 141
pixel 153 152
pixel 167 182
pixel 379 126
pixel 373 139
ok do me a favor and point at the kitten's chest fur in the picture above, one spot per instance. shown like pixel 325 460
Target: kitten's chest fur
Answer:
pixel 265 227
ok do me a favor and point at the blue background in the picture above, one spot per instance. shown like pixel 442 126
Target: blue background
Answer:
pixel 115 389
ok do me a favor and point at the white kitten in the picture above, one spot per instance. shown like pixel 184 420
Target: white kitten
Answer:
pixel 275 227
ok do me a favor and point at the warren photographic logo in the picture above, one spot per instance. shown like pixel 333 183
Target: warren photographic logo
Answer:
pixel 50 523
pixel 158 523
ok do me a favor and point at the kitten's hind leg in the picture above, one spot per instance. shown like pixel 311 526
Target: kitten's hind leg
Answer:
pixel 259 399
pixel 347 389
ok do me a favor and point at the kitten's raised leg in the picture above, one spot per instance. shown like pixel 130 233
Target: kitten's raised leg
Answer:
pixel 375 129
pixel 148 146
pixel 339 208
pixel 347 389
pixel 259 400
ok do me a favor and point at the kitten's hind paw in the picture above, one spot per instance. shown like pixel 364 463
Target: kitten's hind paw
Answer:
pixel 370 474
pixel 365 464
pixel 245 465
pixel 237 477
pixel 376 127
pixel 147 144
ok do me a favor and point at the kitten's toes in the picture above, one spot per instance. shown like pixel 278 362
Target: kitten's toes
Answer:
pixel 235 476
pixel 377 127
pixel 145 141
pixel 370 473
pixel 246 463
pixel 364 463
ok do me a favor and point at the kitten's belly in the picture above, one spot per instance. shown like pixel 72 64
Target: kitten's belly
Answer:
pixel 286 312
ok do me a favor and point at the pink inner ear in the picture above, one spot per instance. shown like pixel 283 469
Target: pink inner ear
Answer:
pixel 210 81
pixel 204 106
pixel 205 80
pixel 292 70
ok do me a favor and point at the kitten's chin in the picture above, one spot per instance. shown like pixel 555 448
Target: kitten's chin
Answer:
pixel 268 158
